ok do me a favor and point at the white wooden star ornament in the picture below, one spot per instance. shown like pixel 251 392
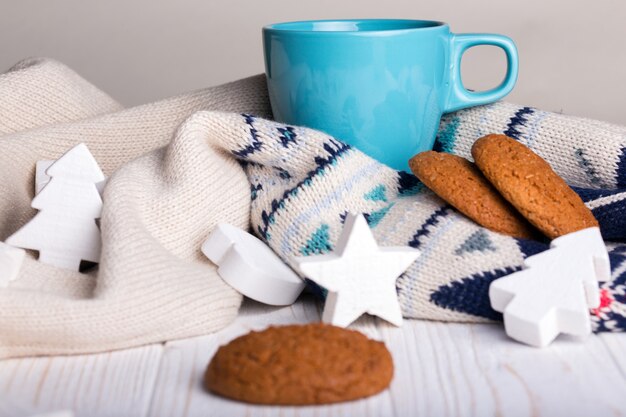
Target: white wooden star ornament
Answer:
pixel 555 290
pixel 359 275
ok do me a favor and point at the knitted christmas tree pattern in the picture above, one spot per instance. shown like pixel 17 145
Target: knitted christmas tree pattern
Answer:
pixel 304 182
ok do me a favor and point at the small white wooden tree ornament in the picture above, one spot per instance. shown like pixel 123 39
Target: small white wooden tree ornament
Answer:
pixel 555 291
pixel 65 230
pixel 359 275
pixel 251 267
pixel 42 178
pixel 11 260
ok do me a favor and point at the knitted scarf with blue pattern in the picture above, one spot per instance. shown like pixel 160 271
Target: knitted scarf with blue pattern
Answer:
pixel 303 183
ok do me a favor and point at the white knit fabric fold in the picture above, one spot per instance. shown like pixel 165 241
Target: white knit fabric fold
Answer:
pixel 169 186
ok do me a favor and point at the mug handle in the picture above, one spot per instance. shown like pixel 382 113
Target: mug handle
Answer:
pixel 459 97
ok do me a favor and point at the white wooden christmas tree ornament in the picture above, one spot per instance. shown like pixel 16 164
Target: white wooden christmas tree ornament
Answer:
pixel 11 260
pixel 251 267
pixel 359 275
pixel 555 290
pixel 42 178
pixel 65 230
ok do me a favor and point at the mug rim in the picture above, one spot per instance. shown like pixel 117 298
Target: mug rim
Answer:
pixel 420 25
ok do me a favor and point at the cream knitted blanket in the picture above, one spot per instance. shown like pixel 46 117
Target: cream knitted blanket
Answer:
pixel 171 182
pixel 179 166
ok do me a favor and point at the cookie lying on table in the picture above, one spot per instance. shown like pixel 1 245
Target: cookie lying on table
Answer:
pixel 507 190
pixel 300 365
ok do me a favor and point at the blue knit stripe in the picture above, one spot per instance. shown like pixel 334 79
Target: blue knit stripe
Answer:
pixel 531 247
pixel 408 184
pixel 470 295
pixel 620 173
pixel 255 144
pixel 283 173
pixel 587 167
pixel 375 217
pixel 612 220
pixel 254 190
pixel 432 220
pixel 318 243
pixel 287 136
pixel 479 241
pixel 335 150
pixel 378 193
pixel 519 119
pixel 446 138
pixel 590 194
pixel 621 250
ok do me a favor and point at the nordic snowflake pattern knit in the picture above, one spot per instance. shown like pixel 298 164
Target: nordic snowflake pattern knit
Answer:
pixel 303 183
pixel 175 171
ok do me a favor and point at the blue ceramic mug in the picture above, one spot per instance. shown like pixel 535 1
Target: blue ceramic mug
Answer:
pixel 379 85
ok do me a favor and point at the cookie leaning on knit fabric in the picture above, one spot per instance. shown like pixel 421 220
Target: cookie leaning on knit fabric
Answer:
pixel 460 183
pixel 531 185
pixel 300 365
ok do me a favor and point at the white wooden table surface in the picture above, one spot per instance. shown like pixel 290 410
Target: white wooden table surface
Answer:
pixel 441 370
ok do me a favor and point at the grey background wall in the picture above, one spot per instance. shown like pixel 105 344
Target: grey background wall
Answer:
pixel 572 52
